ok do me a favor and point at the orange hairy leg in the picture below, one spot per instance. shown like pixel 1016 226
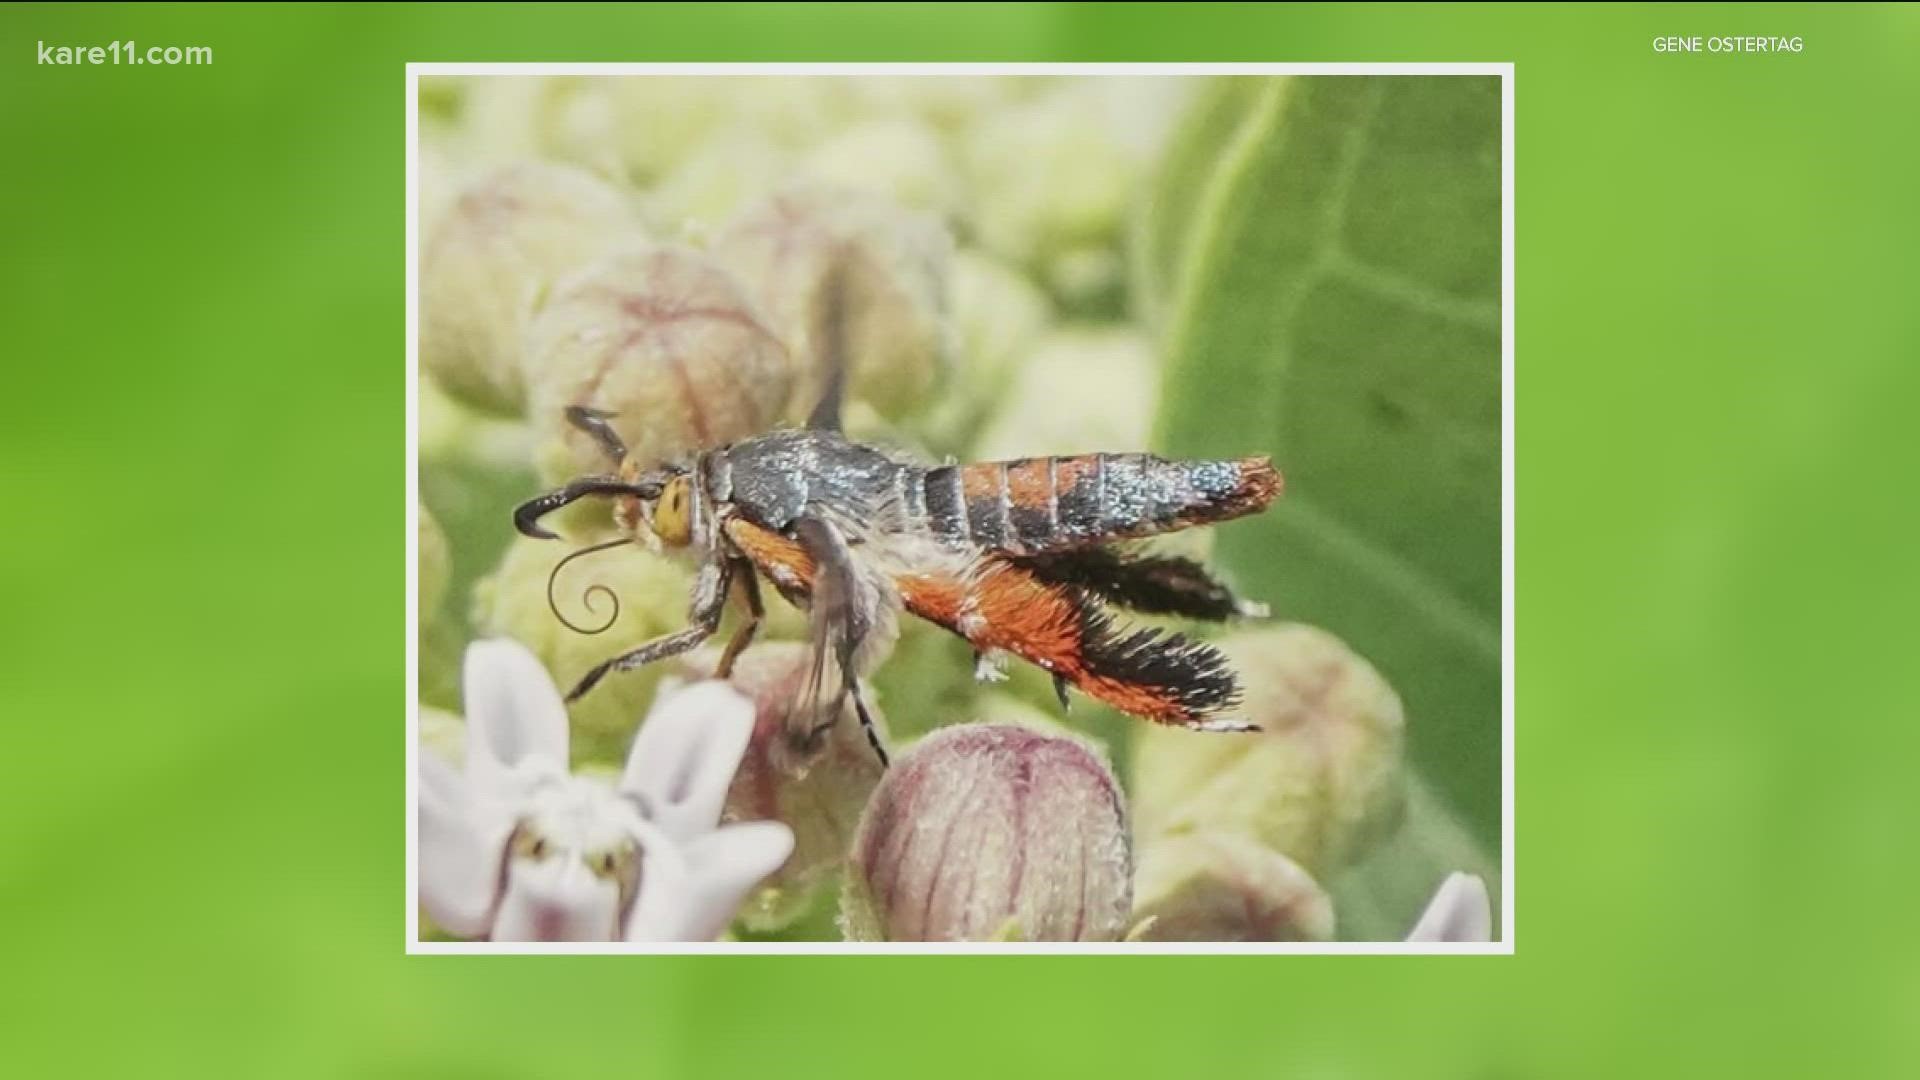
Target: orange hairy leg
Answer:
pixel 797 571
pixel 999 606
pixel 778 556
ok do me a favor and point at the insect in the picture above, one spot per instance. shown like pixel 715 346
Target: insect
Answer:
pixel 1019 558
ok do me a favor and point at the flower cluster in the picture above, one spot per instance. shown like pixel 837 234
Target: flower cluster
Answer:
pixel 515 847
pixel 1016 832
pixel 987 831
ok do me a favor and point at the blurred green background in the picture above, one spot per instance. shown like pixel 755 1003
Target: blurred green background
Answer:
pixel 203 424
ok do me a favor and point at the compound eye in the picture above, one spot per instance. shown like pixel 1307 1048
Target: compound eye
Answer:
pixel 672 515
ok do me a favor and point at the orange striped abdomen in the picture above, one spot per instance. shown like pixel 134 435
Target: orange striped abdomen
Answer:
pixel 1031 505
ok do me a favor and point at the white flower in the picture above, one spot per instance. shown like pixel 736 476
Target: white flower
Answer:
pixel 1459 911
pixel 516 848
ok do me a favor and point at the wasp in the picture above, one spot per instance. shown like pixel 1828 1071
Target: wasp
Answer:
pixel 1020 558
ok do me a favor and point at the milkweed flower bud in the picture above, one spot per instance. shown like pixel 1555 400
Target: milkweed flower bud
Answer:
pixel 983 831
pixel 651 591
pixel 434 568
pixel 1054 176
pixel 793 248
pixel 667 342
pixel 661 120
pixel 998 317
pixel 1109 375
pixel 816 782
pixel 1320 782
pixel 899 160
pixel 438 181
pixel 453 433
pixel 488 261
pixel 1212 886
pixel 443 732
pixel 566 117
pixel 949 102
pixel 711 184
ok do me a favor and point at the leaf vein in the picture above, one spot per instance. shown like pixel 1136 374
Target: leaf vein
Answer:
pixel 1443 610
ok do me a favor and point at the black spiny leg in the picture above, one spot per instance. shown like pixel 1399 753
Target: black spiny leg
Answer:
pixel 1152 584
pixel 709 601
pixel 749 590
pixel 866 724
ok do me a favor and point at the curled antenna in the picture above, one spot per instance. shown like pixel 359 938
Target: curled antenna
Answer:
pixel 527 516
pixel 586 598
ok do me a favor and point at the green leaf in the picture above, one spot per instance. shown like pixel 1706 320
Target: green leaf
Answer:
pixel 1218 114
pixel 1382 896
pixel 1338 307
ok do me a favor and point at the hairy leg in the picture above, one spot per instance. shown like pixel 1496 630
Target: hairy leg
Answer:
pixel 756 611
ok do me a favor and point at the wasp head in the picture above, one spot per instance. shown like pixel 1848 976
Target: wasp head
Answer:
pixel 654 501
pixel 660 511
pixel 671 515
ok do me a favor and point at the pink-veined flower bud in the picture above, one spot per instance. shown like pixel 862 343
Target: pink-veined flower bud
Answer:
pixel 1213 886
pixel 489 260
pixel 991 831
pixel 1320 782
pixel 666 341
pixel 815 781
pixel 890 266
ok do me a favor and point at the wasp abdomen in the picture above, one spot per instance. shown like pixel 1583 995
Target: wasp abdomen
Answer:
pixel 1037 504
